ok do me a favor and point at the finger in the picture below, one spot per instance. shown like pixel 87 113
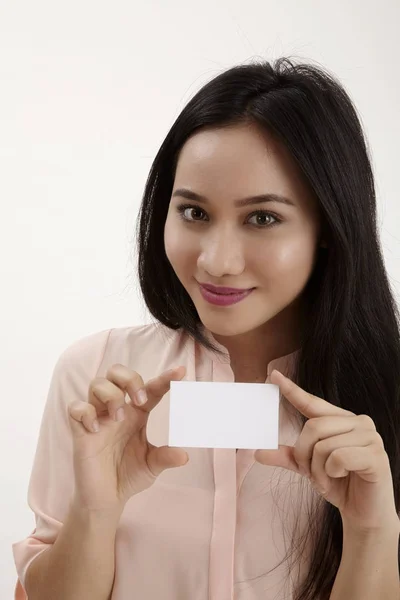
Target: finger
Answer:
pixel 282 457
pixel 108 394
pixel 309 405
pixel 107 398
pixel 165 457
pixel 366 461
pixel 157 387
pixel 82 418
pixel 130 382
pixel 324 448
pixel 320 428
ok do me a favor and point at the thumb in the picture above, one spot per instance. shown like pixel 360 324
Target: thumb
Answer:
pixel 165 457
pixel 282 457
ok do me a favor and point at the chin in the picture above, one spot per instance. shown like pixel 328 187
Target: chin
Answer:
pixel 226 326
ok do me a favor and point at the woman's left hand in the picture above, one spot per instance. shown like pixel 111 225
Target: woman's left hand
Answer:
pixel 344 457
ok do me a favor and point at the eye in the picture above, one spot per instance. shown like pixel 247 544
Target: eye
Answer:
pixel 261 215
pixel 189 212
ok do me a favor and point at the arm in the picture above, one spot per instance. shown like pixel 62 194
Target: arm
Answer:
pixel 52 480
pixel 369 566
pixel 80 564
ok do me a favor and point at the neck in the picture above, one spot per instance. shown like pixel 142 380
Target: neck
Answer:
pixel 252 351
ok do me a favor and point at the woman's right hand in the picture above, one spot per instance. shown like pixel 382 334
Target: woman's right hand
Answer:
pixel 118 462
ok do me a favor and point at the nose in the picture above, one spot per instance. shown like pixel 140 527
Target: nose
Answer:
pixel 222 254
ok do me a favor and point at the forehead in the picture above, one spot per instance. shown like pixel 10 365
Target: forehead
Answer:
pixel 237 161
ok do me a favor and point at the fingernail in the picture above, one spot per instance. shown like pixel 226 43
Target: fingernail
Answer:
pixel 141 397
pixel 120 414
pixel 96 426
pixel 279 373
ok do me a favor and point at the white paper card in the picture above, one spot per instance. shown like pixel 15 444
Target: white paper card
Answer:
pixel 224 415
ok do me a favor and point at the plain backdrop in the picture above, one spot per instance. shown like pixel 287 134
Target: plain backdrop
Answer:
pixel 88 91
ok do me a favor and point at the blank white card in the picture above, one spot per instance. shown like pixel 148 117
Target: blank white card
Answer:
pixel 224 415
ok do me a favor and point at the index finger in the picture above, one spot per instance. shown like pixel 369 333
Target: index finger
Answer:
pixel 310 406
pixel 157 387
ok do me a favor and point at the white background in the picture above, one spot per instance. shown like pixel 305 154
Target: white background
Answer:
pixel 88 91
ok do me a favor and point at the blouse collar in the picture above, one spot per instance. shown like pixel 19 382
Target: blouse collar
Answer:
pixel 285 364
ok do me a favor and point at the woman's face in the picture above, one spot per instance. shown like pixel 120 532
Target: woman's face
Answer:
pixel 267 246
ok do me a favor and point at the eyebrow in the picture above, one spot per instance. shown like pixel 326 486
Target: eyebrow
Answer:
pixel 189 195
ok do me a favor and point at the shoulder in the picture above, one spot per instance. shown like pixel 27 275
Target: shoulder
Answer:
pixel 137 346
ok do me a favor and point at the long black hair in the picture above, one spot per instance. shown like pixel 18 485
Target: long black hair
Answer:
pixel 350 352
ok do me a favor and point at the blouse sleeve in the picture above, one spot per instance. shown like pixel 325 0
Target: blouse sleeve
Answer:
pixel 51 483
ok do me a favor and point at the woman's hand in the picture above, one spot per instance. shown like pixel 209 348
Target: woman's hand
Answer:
pixel 344 457
pixel 118 461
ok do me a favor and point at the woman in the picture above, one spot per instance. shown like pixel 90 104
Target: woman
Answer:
pixel 121 515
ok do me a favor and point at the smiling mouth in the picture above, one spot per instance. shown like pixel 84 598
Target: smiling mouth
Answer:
pixel 222 290
pixel 226 298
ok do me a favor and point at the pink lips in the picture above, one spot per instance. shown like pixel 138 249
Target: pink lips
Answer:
pixel 223 296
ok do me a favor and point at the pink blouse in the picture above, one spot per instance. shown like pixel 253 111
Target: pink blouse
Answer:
pixel 217 528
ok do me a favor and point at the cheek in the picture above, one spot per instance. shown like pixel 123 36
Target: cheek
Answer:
pixel 291 260
pixel 179 247
pixel 170 242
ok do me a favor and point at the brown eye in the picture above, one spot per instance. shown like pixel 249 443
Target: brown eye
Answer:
pixel 190 213
pixel 261 217
pixel 193 214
